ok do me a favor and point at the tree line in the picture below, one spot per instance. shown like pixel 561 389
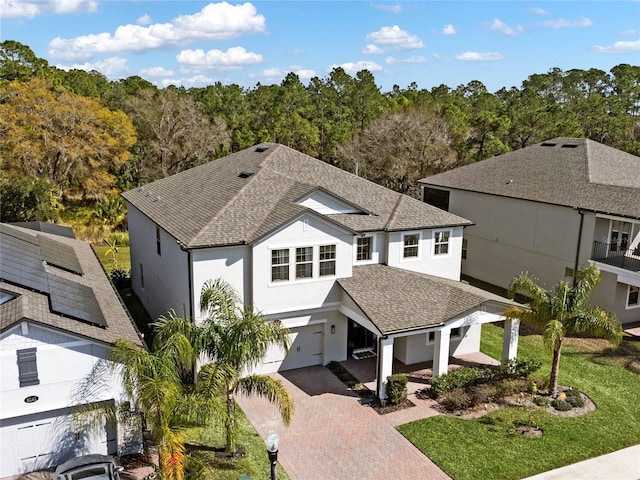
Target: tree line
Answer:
pixel 78 133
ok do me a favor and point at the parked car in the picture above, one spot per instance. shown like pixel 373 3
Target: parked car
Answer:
pixel 89 467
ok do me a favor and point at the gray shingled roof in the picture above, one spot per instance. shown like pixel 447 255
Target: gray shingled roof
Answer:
pixel 212 205
pixel 33 304
pixel 397 300
pixel 572 172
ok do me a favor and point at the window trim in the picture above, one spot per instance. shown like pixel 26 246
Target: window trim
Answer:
pixel 436 243
pixel 281 265
pixel 459 335
pixel 304 262
pixel 322 262
pixel 403 247
pixel 27 357
pixel 636 290
pixel 373 248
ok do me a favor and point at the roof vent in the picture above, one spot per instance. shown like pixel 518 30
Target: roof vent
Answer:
pixel 245 174
pixel 548 144
pixel 261 149
pixel 569 145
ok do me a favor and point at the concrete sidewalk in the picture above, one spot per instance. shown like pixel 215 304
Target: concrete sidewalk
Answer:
pixel 621 465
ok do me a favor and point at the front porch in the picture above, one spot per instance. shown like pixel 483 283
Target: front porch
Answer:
pixel 418 374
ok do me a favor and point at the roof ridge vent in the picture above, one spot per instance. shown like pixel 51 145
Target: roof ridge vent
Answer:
pixel 548 144
pixel 245 173
pixel 569 145
pixel 261 149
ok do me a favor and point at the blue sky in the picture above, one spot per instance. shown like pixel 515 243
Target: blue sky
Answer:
pixel 193 43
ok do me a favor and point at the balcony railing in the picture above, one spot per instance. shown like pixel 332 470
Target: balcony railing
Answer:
pixel 613 254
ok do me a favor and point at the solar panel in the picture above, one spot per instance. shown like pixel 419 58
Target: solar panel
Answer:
pixel 76 300
pixel 22 258
pixel 59 254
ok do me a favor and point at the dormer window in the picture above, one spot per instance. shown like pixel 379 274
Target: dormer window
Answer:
pixel 364 249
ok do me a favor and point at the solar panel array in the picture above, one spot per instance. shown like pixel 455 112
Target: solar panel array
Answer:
pixel 23 260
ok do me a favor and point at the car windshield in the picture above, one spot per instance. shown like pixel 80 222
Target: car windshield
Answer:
pixel 94 472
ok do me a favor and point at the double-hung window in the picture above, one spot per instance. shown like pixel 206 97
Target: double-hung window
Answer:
pixel 304 262
pixel 441 242
pixel 327 260
pixel 364 249
pixel 280 265
pixel 411 245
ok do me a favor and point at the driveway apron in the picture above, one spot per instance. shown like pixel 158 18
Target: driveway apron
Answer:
pixel 333 437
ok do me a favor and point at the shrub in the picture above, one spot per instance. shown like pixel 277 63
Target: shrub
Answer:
pixel 448 382
pixel 456 400
pixel 541 401
pixel 574 397
pixel 119 238
pixel 396 388
pixel 561 405
pixel 120 278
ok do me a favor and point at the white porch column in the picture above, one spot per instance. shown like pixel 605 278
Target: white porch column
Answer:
pixel 385 365
pixel 441 352
pixel 510 339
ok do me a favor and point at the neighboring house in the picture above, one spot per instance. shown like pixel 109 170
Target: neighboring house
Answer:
pixel 59 315
pixel 547 209
pixel 342 262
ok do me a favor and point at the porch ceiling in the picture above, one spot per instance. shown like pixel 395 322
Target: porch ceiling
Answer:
pixel 397 300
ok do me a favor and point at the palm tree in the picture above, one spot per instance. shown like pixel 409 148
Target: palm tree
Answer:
pixel 152 380
pixel 564 311
pixel 238 337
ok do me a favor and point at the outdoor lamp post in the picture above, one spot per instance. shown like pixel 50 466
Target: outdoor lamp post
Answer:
pixel 271 442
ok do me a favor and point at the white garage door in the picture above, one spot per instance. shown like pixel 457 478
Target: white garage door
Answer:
pixel 47 439
pixel 307 348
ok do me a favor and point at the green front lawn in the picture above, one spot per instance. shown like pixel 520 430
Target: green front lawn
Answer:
pixel 123 258
pixel 201 442
pixel 488 447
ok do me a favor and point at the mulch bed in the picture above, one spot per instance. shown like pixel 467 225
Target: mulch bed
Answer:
pixel 387 408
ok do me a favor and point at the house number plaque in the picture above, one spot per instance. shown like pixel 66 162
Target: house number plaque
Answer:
pixel 31 399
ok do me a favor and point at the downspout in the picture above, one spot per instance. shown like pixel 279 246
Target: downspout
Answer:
pixel 191 316
pixel 575 266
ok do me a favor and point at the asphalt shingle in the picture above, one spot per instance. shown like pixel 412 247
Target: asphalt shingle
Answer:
pixel 213 204
pixel 572 172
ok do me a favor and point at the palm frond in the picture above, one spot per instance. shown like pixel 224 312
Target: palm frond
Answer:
pixel 587 279
pixel 525 284
pixel 599 323
pixel 213 378
pixel 552 334
pixel 218 299
pixel 171 455
pixel 270 388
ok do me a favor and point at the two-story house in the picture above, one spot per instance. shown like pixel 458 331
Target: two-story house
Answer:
pixel 547 209
pixel 342 262
pixel 59 315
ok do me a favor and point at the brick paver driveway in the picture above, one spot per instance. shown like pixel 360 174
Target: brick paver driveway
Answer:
pixel 333 437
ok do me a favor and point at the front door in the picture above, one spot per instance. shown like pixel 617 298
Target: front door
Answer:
pixel 359 338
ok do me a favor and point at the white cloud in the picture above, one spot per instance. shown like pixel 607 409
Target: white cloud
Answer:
pixel 479 56
pixel 388 8
pixel 73 6
pixel 219 21
pixel 33 8
pixel 371 49
pixel 304 73
pixel 113 67
pixel 449 30
pixel 619 47
pixel 144 20
pixel 157 72
pixel 276 75
pixel 562 23
pixel 538 11
pixel 354 67
pixel 396 38
pixel 16 8
pixel 628 33
pixel 296 51
pixel 234 58
pixel 195 81
pixel 499 26
pixel 406 61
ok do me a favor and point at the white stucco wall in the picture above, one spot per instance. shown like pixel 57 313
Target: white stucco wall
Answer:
pixel 293 295
pixel 443 265
pixel 166 276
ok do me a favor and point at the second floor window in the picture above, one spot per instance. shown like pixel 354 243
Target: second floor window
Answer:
pixel 441 243
pixel 364 248
pixel 327 260
pixel 304 262
pixel 410 246
pixel 280 265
